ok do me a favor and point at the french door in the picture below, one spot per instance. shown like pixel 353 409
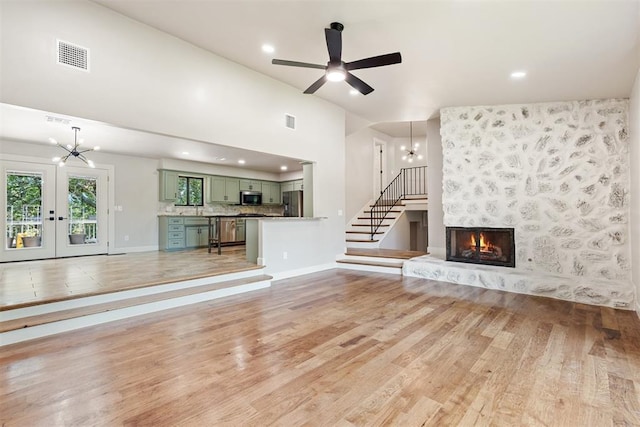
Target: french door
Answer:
pixel 53 211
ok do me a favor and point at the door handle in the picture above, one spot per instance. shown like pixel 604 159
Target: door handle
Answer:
pixel 60 218
pixel 52 218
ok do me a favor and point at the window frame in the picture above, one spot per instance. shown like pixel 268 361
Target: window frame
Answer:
pixel 189 179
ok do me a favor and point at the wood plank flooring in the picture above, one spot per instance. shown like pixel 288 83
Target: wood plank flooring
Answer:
pixel 339 347
pixel 36 282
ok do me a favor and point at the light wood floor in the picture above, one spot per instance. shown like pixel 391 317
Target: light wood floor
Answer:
pixel 36 282
pixel 337 348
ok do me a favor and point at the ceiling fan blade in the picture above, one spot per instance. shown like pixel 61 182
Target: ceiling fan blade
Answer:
pixel 375 61
pixel 297 64
pixel 316 85
pixel 334 44
pixel 358 84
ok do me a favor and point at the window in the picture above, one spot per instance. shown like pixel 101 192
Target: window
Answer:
pixel 189 191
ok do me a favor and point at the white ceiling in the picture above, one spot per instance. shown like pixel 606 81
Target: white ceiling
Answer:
pixel 454 53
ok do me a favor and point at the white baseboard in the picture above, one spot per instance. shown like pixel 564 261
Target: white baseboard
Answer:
pixel 302 271
pixel 372 268
pixel 133 249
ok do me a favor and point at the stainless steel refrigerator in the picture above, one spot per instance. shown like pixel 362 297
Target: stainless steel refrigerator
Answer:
pixel 292 201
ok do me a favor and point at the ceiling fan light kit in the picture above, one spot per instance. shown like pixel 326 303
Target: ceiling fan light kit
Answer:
pixel 73 151
pixel 336 69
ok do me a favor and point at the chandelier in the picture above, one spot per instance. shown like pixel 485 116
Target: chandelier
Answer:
pixel 73 150
pixel 411 152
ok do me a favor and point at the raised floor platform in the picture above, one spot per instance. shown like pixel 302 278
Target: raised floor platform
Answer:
pixel 608 293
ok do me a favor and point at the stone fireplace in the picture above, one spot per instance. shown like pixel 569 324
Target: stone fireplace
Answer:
pixel 558 175
pixel 481 245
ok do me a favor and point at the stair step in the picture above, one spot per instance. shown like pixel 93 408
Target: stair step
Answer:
pixel 364 232
pixel 362 241
pixel 372 263
pixel 385 218
pixel 389 211
pixel 25 322
pixel 369 225
pixel 384 253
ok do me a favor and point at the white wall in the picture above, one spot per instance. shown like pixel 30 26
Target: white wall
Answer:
pixel 144 79
pixel 434 188
pixel 359 171
pixel 634 127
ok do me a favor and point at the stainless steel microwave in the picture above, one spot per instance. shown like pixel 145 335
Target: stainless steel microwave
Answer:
pixel 250 198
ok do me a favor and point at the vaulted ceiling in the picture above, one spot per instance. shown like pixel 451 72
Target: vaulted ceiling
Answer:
pixel 453 53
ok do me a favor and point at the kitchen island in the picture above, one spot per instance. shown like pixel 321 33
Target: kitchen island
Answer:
pixel 276 232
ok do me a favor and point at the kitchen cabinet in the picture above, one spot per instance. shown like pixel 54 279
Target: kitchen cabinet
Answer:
pixel 196 236
pixel 250 185
pixel 240 230
pixel 291 186
pixel 224 190
pixel 286 186
pixel 171 233
pixel 168 185
pixel 271 193
pixel 196 232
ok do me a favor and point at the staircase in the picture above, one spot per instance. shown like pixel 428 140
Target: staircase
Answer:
pixel 408 190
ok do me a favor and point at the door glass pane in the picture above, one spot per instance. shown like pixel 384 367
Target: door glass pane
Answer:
pixel 83 222
pixel 24 210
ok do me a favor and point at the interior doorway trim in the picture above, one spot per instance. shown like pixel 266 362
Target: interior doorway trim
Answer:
pixel 380 166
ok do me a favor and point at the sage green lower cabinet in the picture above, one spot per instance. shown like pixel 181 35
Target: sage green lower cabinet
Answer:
pixel 178 232
pixel 240 230
pixel 196 232
pixel 171 233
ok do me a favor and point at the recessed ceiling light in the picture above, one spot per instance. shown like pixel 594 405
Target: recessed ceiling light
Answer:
pixel 222 159
pixel 283 168
pixel 353 92
pixel 53 140
pixel 267 48
pixel 518 74
pixel 242 162
pixel 186 153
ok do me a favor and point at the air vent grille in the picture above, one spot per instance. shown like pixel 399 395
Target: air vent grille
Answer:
pixel 290 121
pixel 72 55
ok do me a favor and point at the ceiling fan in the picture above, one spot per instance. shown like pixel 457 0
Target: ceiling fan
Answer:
pixel 338 70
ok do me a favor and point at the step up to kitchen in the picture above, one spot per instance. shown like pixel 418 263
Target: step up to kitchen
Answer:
pixel 385 253
pixel 370 263
pixel 48 319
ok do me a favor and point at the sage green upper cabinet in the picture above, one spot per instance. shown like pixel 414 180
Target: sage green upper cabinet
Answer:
pixel 250 185
pixel 298 185
pixel 168 185
pixel 271 193
pixel 286 186
pixel 232 185
pixel 224 190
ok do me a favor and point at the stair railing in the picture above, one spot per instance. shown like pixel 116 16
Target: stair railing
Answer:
pixel 409 182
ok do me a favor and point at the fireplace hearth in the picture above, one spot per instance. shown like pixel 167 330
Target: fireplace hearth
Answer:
pixel 481 245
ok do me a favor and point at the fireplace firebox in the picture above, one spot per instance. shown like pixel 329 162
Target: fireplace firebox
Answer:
pixel 490 246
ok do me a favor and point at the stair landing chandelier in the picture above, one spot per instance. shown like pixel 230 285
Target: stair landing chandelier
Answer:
pixel 73 150
pixel 411 152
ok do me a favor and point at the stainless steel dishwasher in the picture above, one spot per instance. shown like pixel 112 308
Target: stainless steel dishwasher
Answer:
pixel 227 230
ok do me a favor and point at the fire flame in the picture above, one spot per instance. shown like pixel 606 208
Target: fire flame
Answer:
pixel 485 245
